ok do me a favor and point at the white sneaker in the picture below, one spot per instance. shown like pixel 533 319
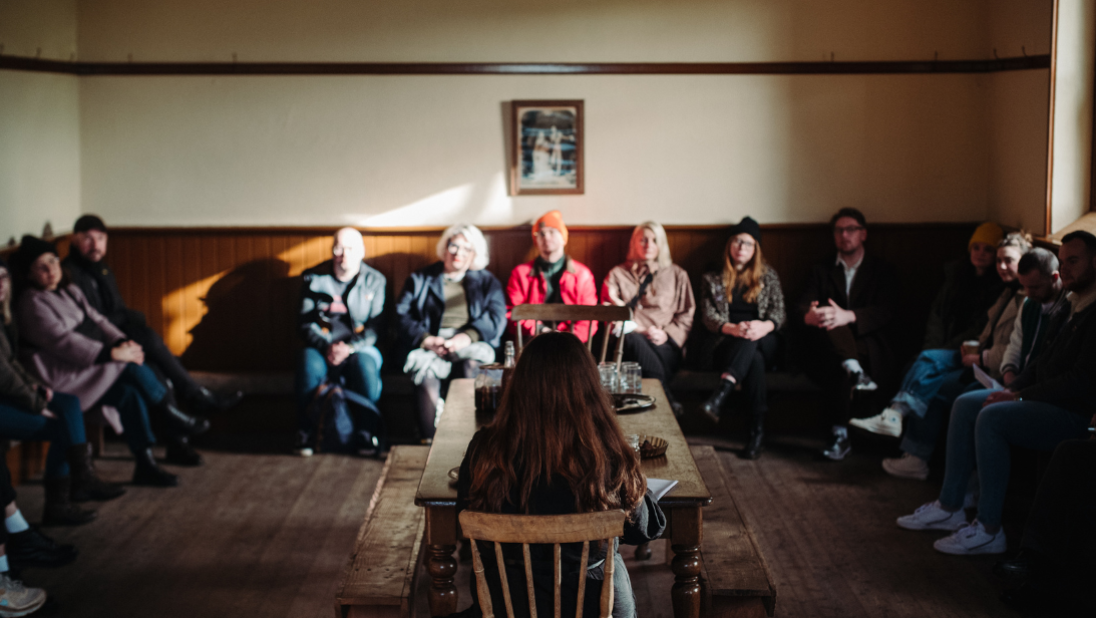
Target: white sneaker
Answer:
pixel 302 452
pixel 17 599
pixel 932 516
pixel 971 540
pixel 907 467
pixel 886 423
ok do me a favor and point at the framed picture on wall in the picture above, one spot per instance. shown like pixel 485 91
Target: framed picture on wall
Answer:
pixel 546 156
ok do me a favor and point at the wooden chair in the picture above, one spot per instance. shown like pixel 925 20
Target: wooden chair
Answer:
pixel 543 529
pixel 552 314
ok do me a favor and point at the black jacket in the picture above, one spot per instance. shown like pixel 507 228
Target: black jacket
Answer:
pixel 96 281
pixel 1064 373
pixel 873 298
pixel 646 524
pixel 961 308
pixel 17 385
pixel 422 303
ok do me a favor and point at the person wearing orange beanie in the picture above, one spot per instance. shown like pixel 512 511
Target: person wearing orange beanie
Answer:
pixel 552 277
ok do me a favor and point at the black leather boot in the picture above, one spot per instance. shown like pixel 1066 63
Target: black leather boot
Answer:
pixel 31 548
pixel 148 473
pixel 757 437
pixel 205 401
pixel 185 423
pixel 714 405
pixel 86 484
pixel 59 509
pixel 181 453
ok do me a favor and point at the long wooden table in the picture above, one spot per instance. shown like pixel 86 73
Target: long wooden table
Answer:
pixel 682 505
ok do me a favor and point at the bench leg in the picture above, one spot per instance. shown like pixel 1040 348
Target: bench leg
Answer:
pixel 685 537
pixel 441 542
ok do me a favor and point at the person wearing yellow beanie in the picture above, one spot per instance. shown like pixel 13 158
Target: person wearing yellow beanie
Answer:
pixel 989 233
pixel 552 277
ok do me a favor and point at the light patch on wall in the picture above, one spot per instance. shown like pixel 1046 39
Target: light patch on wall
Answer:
pixel 498 206
pixel 427 211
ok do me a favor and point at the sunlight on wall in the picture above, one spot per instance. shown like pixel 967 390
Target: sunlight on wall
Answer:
pixel 427 211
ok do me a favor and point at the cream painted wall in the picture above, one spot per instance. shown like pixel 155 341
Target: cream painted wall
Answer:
pixel 39 121
pixel 39 153
pixel 430 150
pixel 1073 107
pixel 532 30
pixel 1018 107
pixel 38 28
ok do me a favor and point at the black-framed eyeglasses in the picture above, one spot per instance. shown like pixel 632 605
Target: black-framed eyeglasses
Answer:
pixel 848 229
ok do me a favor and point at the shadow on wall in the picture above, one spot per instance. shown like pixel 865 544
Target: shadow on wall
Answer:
pixel 250 320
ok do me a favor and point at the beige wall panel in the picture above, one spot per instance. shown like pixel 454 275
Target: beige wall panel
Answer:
pixel 396 151
pixel 532 30
pixel 1018 106
pixel 1073 107
pixel 38 28
pixel 39 153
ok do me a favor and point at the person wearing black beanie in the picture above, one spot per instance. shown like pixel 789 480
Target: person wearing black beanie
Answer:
pixel 743 308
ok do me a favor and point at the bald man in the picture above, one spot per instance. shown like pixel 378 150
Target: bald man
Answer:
pixel 342 302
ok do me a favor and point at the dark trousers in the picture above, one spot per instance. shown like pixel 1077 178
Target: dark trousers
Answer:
pixel 132 394
pixel 67 429
pixel 655 361
pixel 747 361
pixel 160 358
pixel 7 495
pixel 821 355
pixel 360 373
pixel 431 389
pixel 1063 516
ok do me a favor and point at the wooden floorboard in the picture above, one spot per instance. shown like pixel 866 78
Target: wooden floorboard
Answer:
pixel 269 534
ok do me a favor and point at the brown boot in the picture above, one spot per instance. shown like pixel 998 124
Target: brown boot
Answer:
pixel 86 484
pixel 59 510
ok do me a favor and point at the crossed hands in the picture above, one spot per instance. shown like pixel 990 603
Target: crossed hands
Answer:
pixel 444 347
pixel 337 353
pixel 751 330
pixel 128 352
pixel 829 316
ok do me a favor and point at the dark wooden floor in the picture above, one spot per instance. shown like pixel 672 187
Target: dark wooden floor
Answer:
pixel 268 535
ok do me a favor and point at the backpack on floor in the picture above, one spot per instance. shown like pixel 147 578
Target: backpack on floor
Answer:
pixel 345 421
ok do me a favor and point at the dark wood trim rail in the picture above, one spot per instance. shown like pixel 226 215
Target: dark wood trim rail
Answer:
pixel 1020 63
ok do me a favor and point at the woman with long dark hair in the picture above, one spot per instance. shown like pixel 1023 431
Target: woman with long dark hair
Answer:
pixel 743 307
pixel 556 448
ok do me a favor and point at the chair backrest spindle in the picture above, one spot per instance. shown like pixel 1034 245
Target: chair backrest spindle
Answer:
pixel 543 529
pixel 603 315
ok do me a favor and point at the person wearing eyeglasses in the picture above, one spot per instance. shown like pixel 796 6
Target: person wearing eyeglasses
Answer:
pixel 846 311
pixel 450 316
pixel 552 277
pixel 342 307
pixel 743 308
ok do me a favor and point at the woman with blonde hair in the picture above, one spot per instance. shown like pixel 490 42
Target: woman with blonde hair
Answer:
pixel 661 297
pixel 743 306
pixel 451 316
pixel 555 448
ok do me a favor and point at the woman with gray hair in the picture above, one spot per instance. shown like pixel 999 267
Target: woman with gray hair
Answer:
pixel 451 316
pixel 661 297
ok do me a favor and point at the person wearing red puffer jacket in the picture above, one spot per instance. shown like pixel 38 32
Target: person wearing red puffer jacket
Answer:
pixel 552 277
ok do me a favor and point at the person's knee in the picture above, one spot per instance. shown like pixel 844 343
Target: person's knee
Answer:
pixel 66 404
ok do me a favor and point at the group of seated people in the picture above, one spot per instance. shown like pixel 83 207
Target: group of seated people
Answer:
pixel 1010 312
pixel 70 345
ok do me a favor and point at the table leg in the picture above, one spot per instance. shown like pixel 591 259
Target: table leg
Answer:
pixel 685 537
pixel 441 542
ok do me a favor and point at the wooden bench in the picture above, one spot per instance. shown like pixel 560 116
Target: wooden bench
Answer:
pixel 735 580
pixel 775 382
pixel 381 575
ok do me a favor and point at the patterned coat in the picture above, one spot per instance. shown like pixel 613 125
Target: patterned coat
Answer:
pixel 714 301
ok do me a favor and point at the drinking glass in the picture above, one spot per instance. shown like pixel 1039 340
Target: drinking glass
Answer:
pixel 632 380
pixel 608 373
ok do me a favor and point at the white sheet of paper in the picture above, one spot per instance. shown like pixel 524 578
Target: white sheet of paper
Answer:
pixel 660 487
pixel 985 379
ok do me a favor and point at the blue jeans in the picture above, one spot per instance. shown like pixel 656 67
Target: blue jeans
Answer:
pixel 131 394
pixel 360 373
pixel 924 378
pixel 67 429
pixel 984 435
pixel 922 433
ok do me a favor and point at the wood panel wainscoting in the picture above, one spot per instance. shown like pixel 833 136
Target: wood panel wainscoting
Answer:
pixel 225 299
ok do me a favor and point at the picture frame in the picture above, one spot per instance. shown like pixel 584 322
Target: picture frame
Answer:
pixel 546 154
